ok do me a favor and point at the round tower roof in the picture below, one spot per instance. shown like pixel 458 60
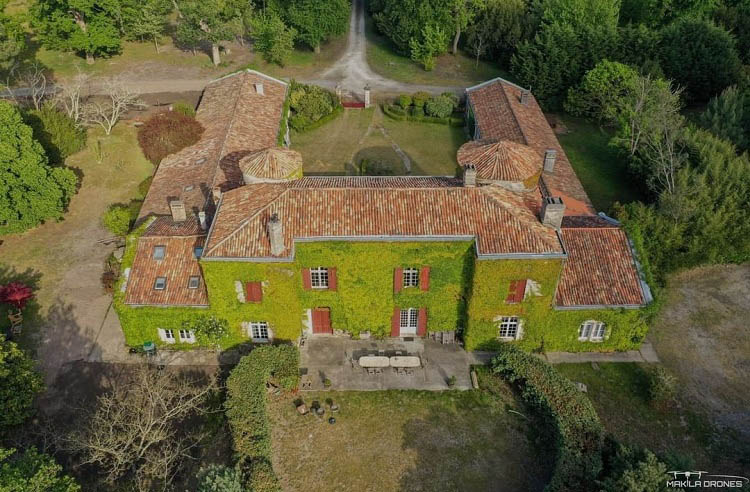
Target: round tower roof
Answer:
pixel 501 160
pixel 271 163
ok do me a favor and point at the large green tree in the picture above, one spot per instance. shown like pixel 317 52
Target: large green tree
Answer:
pixel 497 29
pixel 726 116
pixel 699 55
pixel 12 41
pixel 404 20
pixel 210 21
pixel 32 471
pixel 145 20
pixel 273 39
pixel 31 191
pixel 90 27
pixel 19 384
pixel 603 92
pixel 572 37
pixel 318 20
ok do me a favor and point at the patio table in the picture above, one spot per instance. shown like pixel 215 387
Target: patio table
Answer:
pixel 405 361
pixel 373 361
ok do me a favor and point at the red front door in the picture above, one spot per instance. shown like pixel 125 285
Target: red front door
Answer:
pixel 321 321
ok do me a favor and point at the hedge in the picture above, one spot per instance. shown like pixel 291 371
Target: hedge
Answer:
pixel 322 121
pixel 398 114
pixel 247 413
pixel 569 414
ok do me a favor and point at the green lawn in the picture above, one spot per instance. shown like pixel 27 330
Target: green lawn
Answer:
pixel 406 440
pixel 619 393
pixel 337 147
pixel 602 171
pixel 459 70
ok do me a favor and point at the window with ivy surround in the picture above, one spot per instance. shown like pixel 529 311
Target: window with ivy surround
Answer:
pixel 592 331
pixel 319 278
pixel 508 328
pixel 411 277
pixel 187 336
pixel 259 331
pixel 408 322
pixel 166 335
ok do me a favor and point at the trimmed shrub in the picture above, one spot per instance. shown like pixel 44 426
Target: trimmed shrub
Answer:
pixel 217 478
pixel 419 99
pixel 662 387
pixel 569 414
pixel 56 132
pixel 404 100
pixel 117 219
pixel 166 133
pixel 417 111
pixel 310 104
pixel 440 107
pixel 247 413
pixel 453 98
pixel 184 108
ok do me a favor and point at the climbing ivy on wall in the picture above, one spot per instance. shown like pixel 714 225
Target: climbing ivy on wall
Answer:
pixel 544 328
pixel 464 294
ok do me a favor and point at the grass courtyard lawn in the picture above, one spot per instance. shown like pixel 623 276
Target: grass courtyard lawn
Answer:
pixel 602 171
pixel 619 393
pixel 460 70
pixel 406 440
pixel 337 146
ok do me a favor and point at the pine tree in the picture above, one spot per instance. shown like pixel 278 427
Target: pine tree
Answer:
pixel 726 116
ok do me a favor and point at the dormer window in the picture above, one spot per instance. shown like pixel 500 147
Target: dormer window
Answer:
pixel 194 282
pixel 198 251
pixel 159 252
pixel 160 283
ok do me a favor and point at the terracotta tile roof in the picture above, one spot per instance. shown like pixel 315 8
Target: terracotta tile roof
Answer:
pixel 599 270
pixel 165 226
pixel 272 163
pixel 500 115
pixel 377 182
pixel 178 265
pixel 237 120
pixel 335 208
pixel 501 160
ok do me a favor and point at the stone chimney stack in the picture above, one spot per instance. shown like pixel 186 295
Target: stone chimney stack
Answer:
pixel 178 211
pixel 470 176
pixel 524 99
pixel 553 210
pixel 276 235
pixel 550 156
pixel 202 219
pixel 259 89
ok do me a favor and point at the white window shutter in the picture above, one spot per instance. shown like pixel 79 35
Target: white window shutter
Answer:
pixel 162 334
pixel 519 331
pixel 240 291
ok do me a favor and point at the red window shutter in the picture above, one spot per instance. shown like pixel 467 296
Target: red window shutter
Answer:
pixel 254 292
pixel 422 322
pixel 424 278
pixel 332 280
pixel 306 279
pixel 520 290
pixel 396 322
pixel 398 280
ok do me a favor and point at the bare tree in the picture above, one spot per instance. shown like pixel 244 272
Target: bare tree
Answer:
pixel 107 110
pixel 650 107
pixel 72 96
pixel 663 151
pixel 137 431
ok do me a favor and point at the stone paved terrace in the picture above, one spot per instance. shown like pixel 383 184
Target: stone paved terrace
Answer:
pixel 335 358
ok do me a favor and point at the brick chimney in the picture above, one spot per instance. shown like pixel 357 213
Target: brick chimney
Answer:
pixel 550 156
pixel 470 176
pixel 178 210
pixel 524 99
pixel 259 89
pixel 202 219
pixel 276 235
pixel 553 210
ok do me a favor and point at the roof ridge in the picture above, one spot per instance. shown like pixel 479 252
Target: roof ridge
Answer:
pixel 515 116
pixel 247 220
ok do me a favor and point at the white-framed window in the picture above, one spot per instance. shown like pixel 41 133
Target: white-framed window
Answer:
pixel 411 277
pixel 319 278
pixel 159 252
pixel 160 283
pixel 187 336
pixel 166 335
pixel 194 282
pixel 508 328
pixel 259 331
pixel 408 322
pixel 592 331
